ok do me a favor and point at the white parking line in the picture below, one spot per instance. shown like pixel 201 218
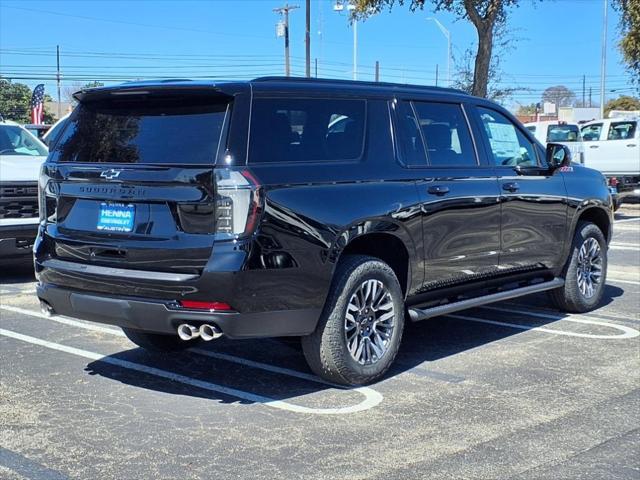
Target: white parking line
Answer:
pixel 620 280
pixel 372 397
pixel 550 315
pixel 614 246
pixel 627 332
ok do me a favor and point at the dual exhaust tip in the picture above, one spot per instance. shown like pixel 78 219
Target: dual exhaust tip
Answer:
pixel 206 332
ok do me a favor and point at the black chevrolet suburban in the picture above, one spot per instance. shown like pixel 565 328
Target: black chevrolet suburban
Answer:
pixel 329 210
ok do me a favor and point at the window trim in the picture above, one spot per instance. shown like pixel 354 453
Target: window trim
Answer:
pixel 411 101
pixel 343 161
pixel 487 144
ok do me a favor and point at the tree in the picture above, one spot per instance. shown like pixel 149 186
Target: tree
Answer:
pixel 15 102
pixel 624 102
pixel 530 109
pixel 485 15
pixel 630 29
pixel 559 95
pixel 68 91
pixel 496 91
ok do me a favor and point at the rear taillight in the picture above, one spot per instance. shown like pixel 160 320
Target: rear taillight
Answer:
pixel 237 203
pixel 46 201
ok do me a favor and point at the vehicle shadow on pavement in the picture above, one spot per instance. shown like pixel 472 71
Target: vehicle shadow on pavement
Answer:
pixel 17 271
pixel 426 341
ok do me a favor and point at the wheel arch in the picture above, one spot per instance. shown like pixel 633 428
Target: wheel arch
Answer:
pixel 390 248
pixel 599 217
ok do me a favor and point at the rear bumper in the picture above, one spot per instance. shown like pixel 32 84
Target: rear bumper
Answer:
pixel 157 317
pixel 17 240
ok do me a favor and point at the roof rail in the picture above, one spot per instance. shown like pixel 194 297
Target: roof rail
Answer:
pixel 355 83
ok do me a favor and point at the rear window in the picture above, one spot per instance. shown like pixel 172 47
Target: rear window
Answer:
pixel 167 131
pixel 563 133
pixel 306 130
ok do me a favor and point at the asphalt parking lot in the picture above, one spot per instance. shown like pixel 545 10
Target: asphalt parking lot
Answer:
pixel 514 390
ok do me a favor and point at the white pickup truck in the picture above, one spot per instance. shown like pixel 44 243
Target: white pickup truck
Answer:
pixel 612 145
pixel 21 155
pixel 553 131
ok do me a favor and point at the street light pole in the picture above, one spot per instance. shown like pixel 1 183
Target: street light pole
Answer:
pixel 603 66
pixel 339 7
pixel 447 35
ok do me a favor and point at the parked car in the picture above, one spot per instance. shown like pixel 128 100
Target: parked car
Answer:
pixel 37 130
pixel 553 131
pixel 323 209
pixel 21 156
pixel 612 146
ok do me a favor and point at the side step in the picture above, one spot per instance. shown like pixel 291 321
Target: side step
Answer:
pixel 417 314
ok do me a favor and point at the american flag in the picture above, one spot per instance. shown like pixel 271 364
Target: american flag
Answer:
pixel 37 104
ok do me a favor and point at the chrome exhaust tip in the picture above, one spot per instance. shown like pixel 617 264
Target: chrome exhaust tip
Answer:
pixel 46 309
pixel 187 332
pixel 210 332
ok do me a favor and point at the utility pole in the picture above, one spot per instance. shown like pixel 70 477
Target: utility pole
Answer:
pixel 603 67
pixel 316 67
pixel 58 77
pixel 284 11
pixel 590 88
pixel 377 71
pixel 436 74
pixel 307 39
pixel 583 90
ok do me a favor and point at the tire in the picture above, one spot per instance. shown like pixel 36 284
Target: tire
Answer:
pixel 156 342
pixel 570 297
pixel 326 349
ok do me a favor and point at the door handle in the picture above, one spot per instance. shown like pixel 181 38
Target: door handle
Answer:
pixel 631 144
pixel 438 190
pixel 594 146
pixel 511 186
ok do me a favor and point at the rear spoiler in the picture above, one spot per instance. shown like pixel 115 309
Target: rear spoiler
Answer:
pixel 155 89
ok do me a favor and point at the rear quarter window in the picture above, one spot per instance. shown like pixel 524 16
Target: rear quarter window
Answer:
pixel 306 130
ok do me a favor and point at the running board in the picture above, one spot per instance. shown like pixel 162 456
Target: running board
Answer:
pixel 417 314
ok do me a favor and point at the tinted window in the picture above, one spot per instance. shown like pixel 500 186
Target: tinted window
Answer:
pixel 621 130
pixel 446 134
pixel 17 141
pixel 409 138
pixel 591 133
pixel 508 144
pixel 306 130
pixel 176 130
pixel 563 133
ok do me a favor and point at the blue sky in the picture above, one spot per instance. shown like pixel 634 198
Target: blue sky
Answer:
pixel 558 41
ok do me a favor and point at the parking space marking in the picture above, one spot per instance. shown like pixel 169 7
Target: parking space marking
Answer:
pixel 627 220
pixel 550 315
pixel 620 280
pixel 372 397
pixel 614 246
pixel 627 332
pixel 63 320
pixel 595 314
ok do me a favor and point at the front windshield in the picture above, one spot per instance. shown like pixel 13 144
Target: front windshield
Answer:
pixel 17 141
pixel 563 133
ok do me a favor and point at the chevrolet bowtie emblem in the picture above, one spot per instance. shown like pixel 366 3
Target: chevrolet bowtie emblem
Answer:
pixel 110 174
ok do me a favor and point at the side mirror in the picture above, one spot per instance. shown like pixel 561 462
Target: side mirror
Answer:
pixel 558 155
